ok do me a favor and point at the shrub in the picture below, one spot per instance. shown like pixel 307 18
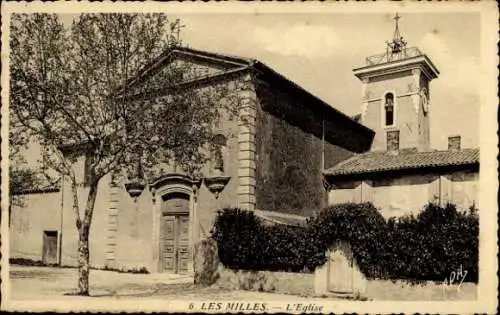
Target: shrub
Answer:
pixel 428 246
pixel 433 244
pixel 360 226
pixel 244 242
pixel 236 233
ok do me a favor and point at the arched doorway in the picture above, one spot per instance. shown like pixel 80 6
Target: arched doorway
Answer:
pixel 341 270
pixel 174 233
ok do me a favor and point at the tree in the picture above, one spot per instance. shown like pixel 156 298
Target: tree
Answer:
pixel 73 90
pixel 21 178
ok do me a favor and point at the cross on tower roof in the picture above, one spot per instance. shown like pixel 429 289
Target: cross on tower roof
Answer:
pixel 396 29
pixel 397 45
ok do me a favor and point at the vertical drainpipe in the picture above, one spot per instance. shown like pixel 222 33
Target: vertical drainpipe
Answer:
pixel 62 221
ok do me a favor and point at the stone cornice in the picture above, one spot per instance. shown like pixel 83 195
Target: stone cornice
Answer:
pixel 175 178
pixel 421 62
pixel 378 99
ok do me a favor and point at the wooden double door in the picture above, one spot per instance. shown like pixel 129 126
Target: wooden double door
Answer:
pixel 174 244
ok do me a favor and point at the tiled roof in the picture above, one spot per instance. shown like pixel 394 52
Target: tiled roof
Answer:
pixel 375 162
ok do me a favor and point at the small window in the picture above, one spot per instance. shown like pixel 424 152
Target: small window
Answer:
pixel 389 109
pixel 393 140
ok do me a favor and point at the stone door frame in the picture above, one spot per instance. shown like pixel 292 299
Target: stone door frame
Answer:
pixel 170 184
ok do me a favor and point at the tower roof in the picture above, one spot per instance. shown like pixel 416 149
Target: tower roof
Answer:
pixel 397 57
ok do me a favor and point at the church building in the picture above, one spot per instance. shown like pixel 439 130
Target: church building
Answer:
pixel 401 173
pixel 276 159
pixel 270 160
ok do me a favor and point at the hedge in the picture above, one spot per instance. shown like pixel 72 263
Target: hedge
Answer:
pixel 244 242
pixel 433 244
pixel 428 246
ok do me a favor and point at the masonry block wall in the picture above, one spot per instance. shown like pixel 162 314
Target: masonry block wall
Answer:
pixel 395 197
pixel 31 216
pixel 246 154
pixel 98 230
pixel 408 119
pixel 128 235
pixel 207 204
pixel 288 156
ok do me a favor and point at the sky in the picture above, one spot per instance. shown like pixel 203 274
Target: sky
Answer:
pixel 319 51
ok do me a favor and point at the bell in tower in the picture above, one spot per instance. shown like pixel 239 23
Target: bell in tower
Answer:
pixel 395 97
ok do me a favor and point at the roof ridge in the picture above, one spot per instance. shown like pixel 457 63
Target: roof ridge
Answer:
pixel 379 162
pixel 215 54
pixel 253 61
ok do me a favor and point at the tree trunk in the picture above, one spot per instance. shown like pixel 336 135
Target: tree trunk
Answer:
pixel 83 242
pixel 83 264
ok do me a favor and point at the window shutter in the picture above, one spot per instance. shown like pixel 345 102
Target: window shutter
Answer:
pixel 445 184
pixel 366 191
pixel 434 195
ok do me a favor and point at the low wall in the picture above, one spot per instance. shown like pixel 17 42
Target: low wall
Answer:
pixel 427 291
pixel 268 281
pixel 295 283
pixel 302 284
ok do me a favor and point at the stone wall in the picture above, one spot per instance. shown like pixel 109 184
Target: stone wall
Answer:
pixel 409 194
pixel 33 214
pixel 267 281
pixel 408 117
pixel 289 157
pixel 123 232
pixel 400 196
pixel 120 232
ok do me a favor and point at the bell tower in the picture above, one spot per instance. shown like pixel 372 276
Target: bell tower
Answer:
pixel 395 95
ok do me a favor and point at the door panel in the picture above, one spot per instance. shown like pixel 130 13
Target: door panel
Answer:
pixel 168 244
pixel 183 242
pixel 49 254
pixel 341 273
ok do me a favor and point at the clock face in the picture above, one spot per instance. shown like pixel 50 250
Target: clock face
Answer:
pixel 424 101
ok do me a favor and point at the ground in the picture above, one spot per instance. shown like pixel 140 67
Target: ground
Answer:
pixel 37 283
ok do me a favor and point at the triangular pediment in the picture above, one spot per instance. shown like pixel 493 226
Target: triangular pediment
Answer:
pixel 183 65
